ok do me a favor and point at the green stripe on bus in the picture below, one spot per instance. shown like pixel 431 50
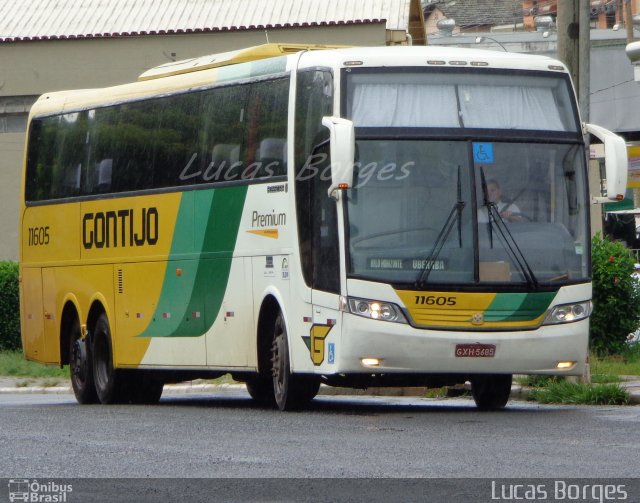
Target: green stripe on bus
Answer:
pixel 190 302
pixel 518 306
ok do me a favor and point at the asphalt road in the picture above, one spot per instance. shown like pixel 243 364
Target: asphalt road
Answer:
pixel 225 435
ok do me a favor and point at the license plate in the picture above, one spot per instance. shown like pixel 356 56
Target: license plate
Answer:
pixel 475 350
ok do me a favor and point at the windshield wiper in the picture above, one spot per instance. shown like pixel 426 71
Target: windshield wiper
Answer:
pixel 455 213
pixel 511 245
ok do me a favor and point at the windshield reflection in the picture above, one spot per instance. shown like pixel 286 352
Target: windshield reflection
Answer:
pixel 419 215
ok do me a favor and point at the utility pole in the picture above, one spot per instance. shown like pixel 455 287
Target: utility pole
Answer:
pixel 568 37
pixel 574 46
pixel 628 20
pixel 584 70
pixel 574 50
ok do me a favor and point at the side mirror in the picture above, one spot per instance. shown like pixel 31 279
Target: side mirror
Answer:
pixel 615 161
pixel 343 146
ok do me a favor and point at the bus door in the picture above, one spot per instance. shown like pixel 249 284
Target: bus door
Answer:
pixel 325 294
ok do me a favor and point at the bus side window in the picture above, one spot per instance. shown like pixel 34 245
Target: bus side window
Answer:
pixel 272 157
pixel 224 161
pixel 222 129
pixel 40 159
pixel 266 128
pixel 71 155
pixel 103 176
pixel 324 222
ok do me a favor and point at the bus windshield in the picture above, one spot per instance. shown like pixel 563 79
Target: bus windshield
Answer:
pixel 422 208
pixel 468 209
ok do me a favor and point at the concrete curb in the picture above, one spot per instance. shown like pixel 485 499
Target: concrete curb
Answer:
pixel 518 392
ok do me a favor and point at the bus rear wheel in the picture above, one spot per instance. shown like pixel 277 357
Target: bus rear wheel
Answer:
pixel 491 392
pixel 81 367
pixel 108 381
pixel 142 388
pixel 291 391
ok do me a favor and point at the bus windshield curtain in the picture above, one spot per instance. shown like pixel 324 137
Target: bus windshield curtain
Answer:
pixel 519 107
pixel 408 105
pixel 419 105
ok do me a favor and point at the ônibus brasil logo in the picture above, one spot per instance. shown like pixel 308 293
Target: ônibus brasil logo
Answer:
pixel 38 492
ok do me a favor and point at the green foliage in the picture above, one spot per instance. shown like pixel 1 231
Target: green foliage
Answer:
pixel 13 363
pixel 585 394
pixel 9 306
pixel 537 381
pixel 604 378
pixel 616 296
pixel 627 363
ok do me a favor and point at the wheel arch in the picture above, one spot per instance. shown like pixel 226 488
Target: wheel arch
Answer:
pixel 98 307
pixel 70 313
pixel 270 306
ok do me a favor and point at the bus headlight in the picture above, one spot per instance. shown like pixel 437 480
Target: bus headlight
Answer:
pixel 566 313
pixel 376 310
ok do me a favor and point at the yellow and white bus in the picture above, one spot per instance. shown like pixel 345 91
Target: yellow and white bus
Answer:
pixel 348 216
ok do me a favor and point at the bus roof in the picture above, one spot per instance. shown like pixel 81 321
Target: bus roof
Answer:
pixel 430 56
pixel 230 58
pixel 203 71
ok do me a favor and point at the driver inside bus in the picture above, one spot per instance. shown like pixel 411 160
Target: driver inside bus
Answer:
pixel 508 211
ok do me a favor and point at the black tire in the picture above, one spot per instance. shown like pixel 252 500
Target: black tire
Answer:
pixel 291 392
pixel 109 382
pixel 81 366
pixel 142 388
pixel 260 389
pixel 491 392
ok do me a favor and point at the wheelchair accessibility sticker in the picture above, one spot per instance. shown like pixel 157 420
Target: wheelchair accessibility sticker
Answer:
pixel 483 153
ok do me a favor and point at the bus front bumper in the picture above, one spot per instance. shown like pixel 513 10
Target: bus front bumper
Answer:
pixel 373 346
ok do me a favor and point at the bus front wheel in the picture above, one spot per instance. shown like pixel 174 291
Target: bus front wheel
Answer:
pixel 261 390
pixel 491 392
pixel 80 367
pixel 290 391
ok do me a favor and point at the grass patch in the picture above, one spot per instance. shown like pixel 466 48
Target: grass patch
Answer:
pixel 13 363
pixel 605 378
pixel 225 379
pixel 584 394
pixel 436 392
pixel 537 381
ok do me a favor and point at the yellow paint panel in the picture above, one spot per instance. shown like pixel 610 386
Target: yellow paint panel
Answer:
pixel 49 234
pixel 138 288
pixel 31 307
pixel 445 309
pixel 633 152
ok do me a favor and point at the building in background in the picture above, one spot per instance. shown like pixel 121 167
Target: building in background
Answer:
pixel 499 15
pixel 474 15
pixel 50 45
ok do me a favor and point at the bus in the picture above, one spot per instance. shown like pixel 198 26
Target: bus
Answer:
pixel 303 215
